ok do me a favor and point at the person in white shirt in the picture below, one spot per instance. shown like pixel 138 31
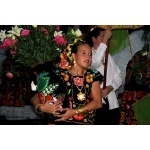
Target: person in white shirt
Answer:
pixel 98 39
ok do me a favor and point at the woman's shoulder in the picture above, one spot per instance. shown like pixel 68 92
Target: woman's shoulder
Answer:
pixel 95 74
pixel 93 71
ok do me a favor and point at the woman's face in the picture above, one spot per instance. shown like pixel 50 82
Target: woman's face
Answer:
pixel 83 57
pixel 98 39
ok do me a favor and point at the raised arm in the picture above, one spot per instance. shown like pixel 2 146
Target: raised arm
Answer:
pixel 98 56
pixel 100 46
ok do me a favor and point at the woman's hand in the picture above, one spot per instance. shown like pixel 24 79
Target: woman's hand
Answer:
pixel 107 35
pixel 52 108
pixel 107 90
pixel 68 114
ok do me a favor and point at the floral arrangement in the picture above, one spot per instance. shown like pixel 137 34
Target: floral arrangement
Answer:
pixel 33 45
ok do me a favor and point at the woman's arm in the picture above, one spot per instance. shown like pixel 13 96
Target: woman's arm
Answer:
pixel 47 107
pixel 98 56
pixel 92 105
pixel 97 97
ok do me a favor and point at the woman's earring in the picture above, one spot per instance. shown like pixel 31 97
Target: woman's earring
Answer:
pixel 74 63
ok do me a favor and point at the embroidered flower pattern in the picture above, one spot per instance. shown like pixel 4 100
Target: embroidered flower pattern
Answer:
pixel 42 97
pixel 89 78
pixel 66 77
pixel 78 81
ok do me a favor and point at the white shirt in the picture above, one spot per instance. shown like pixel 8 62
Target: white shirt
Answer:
pixel 113 73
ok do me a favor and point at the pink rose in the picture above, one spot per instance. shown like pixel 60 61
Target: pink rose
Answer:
pixel 9 75
pixel 7 43
pixel 25 32
pixel 60 40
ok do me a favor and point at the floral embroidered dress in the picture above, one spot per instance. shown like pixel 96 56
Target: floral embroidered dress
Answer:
pixel 137 88
pixel 75 89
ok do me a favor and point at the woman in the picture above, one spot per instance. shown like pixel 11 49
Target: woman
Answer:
pixel 110 113
pixel 136 86
pixel 83 90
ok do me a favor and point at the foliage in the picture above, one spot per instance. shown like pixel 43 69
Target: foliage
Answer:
pixel 33 45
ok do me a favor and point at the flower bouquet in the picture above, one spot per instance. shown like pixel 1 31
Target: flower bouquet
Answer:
pixel 37 45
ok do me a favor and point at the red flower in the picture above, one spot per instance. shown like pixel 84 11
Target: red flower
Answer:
pixel 124 95
pixel 78 117
pixel 8 42
pixel 25 32
pixel 129 95
pixel 9 75
pixel 63 64
pixel 127 107
pixel 63 55
pixel 60 40
pixel 42 98
pixel 60 98
pixel 78 81
pixel 48 97
pixel 66 77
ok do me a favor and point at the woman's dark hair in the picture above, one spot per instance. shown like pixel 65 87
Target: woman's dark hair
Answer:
pixel 140 54
pixel 94 33
pixel 74 48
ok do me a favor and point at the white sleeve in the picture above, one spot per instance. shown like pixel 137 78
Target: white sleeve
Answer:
pixel 116 80
pixel 98 56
